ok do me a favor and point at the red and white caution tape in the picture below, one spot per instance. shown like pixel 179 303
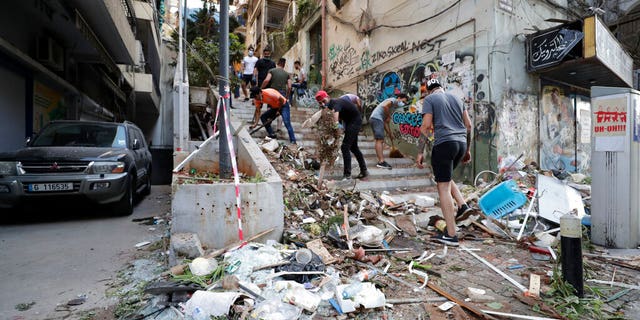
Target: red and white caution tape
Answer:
pixel 217 114
pixel 234 165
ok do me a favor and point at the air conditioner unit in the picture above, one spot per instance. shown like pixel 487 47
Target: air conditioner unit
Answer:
pixel 49 53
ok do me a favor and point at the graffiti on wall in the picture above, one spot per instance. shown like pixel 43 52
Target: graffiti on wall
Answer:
pixel 345 61
pixel 557 130
pixel 485 135
pixel 516 126
pixel 457 78
pixel 48 105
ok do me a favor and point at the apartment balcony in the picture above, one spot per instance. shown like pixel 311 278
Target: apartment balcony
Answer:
pixel 147 97
pixel 113 22
pixel 149 36
pixel 146 90
pixel 275 13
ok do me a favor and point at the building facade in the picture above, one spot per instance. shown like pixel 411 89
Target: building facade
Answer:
pixel 76 59
pixel 480 51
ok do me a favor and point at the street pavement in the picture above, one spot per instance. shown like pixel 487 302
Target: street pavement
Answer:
pixel 51 256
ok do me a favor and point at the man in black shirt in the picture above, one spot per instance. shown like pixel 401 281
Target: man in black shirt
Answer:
pixel 264 65
pixel 347 113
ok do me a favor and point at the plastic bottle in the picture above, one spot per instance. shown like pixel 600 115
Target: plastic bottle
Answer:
pixel 303 256
pixel 365 275
pixel 351 290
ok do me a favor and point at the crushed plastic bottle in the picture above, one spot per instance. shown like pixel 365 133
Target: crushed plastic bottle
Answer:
pixel 365 275
pixel 352 290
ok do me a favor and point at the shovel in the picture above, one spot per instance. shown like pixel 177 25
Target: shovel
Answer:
pixel 260 126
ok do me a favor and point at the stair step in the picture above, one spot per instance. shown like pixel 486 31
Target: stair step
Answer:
pixel 382 185
pixel 308 137
pixel 404 177
pixel 378 173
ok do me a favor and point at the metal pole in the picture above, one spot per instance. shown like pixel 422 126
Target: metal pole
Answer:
pixel 181 58
pixel 225 160
pixel 183 44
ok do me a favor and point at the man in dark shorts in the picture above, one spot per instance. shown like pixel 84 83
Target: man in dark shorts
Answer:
pixel 444 114
pixel 379 119
pixel 248 64
pixel 347 112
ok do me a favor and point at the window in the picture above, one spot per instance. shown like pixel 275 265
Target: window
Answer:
pixel 81 135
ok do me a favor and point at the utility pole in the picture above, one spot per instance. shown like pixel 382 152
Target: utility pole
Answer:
pixel 225 155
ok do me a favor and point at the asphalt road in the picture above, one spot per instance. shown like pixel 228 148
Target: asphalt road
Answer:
pixel 53 254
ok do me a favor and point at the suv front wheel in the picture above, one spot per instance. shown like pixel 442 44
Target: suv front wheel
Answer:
pixel 124 206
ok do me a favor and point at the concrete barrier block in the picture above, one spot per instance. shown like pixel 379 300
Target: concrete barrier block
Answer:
pixel 187 245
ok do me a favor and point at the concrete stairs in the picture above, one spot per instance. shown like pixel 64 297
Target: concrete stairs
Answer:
pixel 404 177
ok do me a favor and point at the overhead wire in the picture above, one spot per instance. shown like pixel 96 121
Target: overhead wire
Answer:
pixel 417 22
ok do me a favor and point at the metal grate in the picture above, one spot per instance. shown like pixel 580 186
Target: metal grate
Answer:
pixel 54 167
pixel 127 6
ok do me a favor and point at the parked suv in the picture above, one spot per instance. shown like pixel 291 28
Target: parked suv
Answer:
pixel 105 162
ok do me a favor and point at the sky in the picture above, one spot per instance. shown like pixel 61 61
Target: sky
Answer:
pixel 194 3
pixel 197 4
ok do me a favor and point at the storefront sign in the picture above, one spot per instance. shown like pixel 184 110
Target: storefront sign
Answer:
pixel 609 123
pixel 549 48
pixel 610 53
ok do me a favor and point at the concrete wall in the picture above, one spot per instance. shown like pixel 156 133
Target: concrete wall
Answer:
pixel 210 210
pixel 473 47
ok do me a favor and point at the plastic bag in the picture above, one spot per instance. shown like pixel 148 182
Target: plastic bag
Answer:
pixel 274 309
pixel 367 235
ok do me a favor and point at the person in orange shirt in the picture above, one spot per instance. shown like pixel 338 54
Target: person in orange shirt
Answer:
pixel 276 103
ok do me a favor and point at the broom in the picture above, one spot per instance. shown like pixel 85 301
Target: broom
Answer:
pixel 394 152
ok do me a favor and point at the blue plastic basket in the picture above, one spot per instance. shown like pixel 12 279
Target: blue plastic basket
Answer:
pixel 502 199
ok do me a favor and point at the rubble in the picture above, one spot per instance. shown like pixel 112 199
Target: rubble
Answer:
pixel 366 254
pixel 187 245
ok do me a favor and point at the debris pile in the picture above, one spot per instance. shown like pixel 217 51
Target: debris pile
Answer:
pixel 349 253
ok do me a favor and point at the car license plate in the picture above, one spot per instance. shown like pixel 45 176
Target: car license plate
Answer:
pixel 44 187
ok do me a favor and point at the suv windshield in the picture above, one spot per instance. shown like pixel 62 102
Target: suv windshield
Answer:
pixel 81 134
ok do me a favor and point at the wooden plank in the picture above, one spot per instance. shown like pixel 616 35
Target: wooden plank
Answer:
pixel 405 223
pixel 459 314
pixel 435 313
pixel 472 308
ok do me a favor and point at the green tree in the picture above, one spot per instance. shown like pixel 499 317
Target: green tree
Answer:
pixel 204 42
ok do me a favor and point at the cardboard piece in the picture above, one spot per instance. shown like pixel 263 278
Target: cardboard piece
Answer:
pixel 557 199
pixel 318 248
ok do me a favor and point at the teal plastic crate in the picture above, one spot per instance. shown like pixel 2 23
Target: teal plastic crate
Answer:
pixel 502 199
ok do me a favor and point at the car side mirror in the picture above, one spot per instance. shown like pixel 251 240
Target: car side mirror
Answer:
pixel 136 144
pixel 27 141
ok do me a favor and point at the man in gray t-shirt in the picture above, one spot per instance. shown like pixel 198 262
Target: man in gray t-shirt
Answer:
pixel 444 115
pixel 379 120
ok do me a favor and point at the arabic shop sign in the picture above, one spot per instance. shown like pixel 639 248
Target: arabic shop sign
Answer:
pixel 550 47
